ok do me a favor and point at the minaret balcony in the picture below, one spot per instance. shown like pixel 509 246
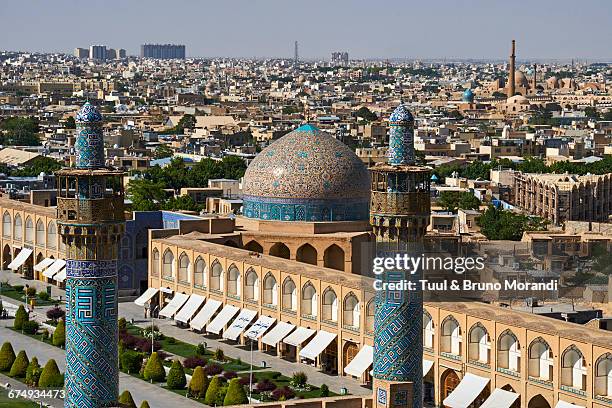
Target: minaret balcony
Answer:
pixel 91 211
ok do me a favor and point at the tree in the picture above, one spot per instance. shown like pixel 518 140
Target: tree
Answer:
pixel 233 167
pixel 51 376
pixel 199 383
pixel 30 327
pixel 131 361
pixel 366 114
pixel 126 400
pixel 324 391
pixel 154 369
pixel 39 165
pixel 145 404
pixel 59 335
pixel 299 379
pixel 20 131
pixel 184 203
pixel 55 313
pixel 20 365
pixel 33 373
pixel 176 376
pixel 146 195
pixel 591 112
pixel 213 391
pixel 453 200
pixel 498 224
pixel 163 151
pixel 7 356
pixel 21 316
pixel 70 123
pixel 235 393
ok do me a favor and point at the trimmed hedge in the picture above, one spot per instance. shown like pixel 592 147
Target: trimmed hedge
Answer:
pixel 20 365
pixel 7 356
pixel 59 335
pixel 235 393
pixel 176 376
pixel 154 369
pixel 131 361
pixel 30 327
pixel 21 316
pixel 199 383
pixel 213 391
pixel 33 373
pixel 145 404
pixel 126 400
pixel 51 376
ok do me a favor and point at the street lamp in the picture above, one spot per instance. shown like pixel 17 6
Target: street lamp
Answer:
pixel 251 372
pixel 152 310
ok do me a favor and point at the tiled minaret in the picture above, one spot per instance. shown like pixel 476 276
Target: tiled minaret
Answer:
pixel 91 222
pixel 399 214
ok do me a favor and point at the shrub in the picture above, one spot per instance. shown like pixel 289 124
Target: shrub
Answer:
pixel 144 345
pixel 59 335
pixel 145 404
pixel 299 379
pixel 235 393
pixel 33 373
pixel 51 376
pixel 213 391
pixel 122 324
pixel 163 355
pixel 45 335
pixel 7 356
pixel 283 394
pixel 20 365
pixel 30 327
pixel 176 376
pixel 171 340
pixel 221 396
pixel 324 391
pixel 219 355
pixel 126 400
pixel 244 379
pixel 199 383
pixel 213 369
pixel 275 374
pixel 18 288
pixel 151 331
pixel 194 361
pixel 154 370
pixel 43 295
pixel 228 375
pixel 129 341
pixel 200 350
pixel 265 385
pixel 55 313
pixel 131 361
pixel 21 316
pixel 31 292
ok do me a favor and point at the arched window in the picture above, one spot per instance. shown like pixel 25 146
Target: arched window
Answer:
pixel 251 285
pixel 370 309
pixel 351 313
pixel 428 330
pixel 270 295
pixel 451 336
pixel 155 262
pixel 330 305
pixel 18 228
pixel 281 250
pixel 254 246
pixel 52 235
pixel 289 295
pixel 216 276
pixel 479 344
pixel 603 376
pixel 184 268
pixel 309 301
pixel 199 276
pixel 333 257
pixel 307 253
pixel 573 369
pixel 540 360
pixel 29 230
pixel 7 225
pixel 168 266
pixel 233 281
pixel 40 233
pixel 509 352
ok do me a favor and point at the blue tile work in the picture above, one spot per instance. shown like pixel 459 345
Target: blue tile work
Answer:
pixel 401 137
pixel 468 96
pixel 306 175
pixel 89 144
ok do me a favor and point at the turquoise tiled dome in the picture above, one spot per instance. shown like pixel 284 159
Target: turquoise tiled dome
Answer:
pixel 401 114
pixel 307 175
pixel 88 114
pixel 468 96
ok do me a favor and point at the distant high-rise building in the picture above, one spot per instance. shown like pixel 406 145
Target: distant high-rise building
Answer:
pixel 340 58
pixel 98 52
pixel 81 53
pixel 162 51
pixel 115 53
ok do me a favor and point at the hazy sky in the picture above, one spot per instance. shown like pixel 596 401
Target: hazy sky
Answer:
pixel 261 28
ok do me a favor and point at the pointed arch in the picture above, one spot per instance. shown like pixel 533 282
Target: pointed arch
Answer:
pixel 254 246
pixel 251 285
pixel 573 368
pixel 603 375
pixel 270 294
pixel 155 262
pixel 330 305
pixel 509 351
pixel 40 232
pixel 333 257
pixel 307 254
pixel 233 281
pixel 184 268
pixel 451 336
pixel 18 228
pixel 51 235
pixel 370 311
pixel 7 225
pixel 479 344
pixel 540 363
pixel 199 274
pixel 351 313
pixel 168 265
pixel 428 330
pixel 289 295
pixel 29 230
pixel 310 300
pixel 217 276
pixel 280 250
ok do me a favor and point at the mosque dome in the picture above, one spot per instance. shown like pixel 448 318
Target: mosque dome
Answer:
pixel 520 79
pixel 88 114
pixel 468 96
pixel 306 175
pixel 518 100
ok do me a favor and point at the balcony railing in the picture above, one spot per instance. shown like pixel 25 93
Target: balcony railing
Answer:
pixel 479 363
pixel 450 355
pixel 309 317
pixel 270 306
pixel 350 328
pixel 289 311
pixel 604 398
pixel 545 383
pixel 508 372
pixel 573 390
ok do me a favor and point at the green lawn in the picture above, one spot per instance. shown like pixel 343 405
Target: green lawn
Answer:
pixel 6 402
pixel 19 296
pixel 282 381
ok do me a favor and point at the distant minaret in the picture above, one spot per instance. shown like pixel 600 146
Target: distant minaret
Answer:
pixel 511 88
pixel 534 80
pixel 295 53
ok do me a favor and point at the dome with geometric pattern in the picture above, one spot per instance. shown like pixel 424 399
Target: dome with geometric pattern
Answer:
pixel 88 114
pixel 306 175
pixel 401 114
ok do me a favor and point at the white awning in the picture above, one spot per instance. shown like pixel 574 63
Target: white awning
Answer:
pixel 361 361
pixel 166 290
pixel 190 308
pixel 44 264
pixel 500 399
pixel 224 316
pixel 203 317
pixel 317 344
pixel 174 305
pixel 300 335
pixel 259 327
pixel 55 267
pixel 61 276
pixel 563 404
pixel 427 364
pixel 245 318
pixel 278 333
pixel 20 259
pixel 466 392
pixel 146 296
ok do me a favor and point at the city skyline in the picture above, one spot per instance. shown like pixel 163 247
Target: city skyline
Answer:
pixel 477 30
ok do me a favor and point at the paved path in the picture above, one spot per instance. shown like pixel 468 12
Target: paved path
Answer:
pixel 17 385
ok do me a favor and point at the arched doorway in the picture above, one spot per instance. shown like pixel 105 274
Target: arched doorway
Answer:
pixel 281 250
pixel 538 402
pixel 329 358
pixel 449 382
pixel 307 254
pixel 517 403
pixel 254 246
pixel 7 258
pixel 39 258
pixel 334 257
pixel 349 352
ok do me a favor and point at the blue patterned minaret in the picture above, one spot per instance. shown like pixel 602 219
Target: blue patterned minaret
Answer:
pixel 399 215
pixel 91 222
